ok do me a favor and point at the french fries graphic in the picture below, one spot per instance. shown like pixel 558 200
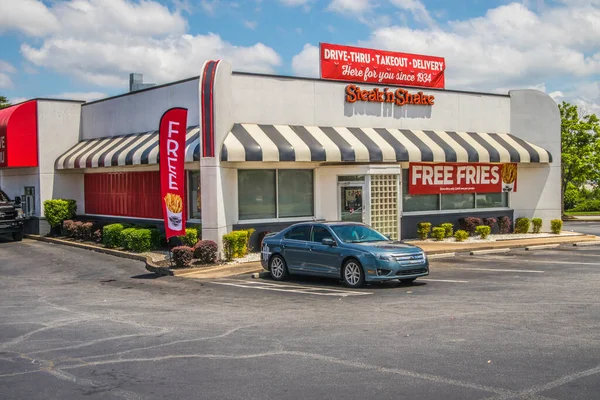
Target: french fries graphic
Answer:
pixel 174 203
pixel 509 173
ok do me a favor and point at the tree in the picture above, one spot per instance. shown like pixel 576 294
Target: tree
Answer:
pixel 580 142
pixel 4 102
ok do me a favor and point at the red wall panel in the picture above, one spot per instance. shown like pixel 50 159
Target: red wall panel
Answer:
pixel 124 194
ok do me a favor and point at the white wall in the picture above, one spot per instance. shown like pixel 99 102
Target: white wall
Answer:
pixel 139 111
pixel 535 117
pixel 58 130
pixel 14 180
pixel 271 100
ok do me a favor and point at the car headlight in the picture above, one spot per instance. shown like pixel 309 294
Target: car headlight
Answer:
pixel 20 214
pixel 384 257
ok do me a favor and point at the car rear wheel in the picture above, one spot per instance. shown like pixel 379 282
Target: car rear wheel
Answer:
pixel 411 280
pixel 17 236
pixel 353 274
pixel 278 268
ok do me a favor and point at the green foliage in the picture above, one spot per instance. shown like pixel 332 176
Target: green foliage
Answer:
pixel 483 231
pixel 191 237
pixel 249 233
pixel 235 244
pixel 461 235
pixel 111 235
pixel 449 229
pixel 423 229
pixel 140 240
pixel 438 233
pixel 4 102
pixel 125 238
pixel 587 206
pixel 182 255
pixel 556 226
pixel 522 225
pixel 580 147
pixel 58 210
pixel 537 225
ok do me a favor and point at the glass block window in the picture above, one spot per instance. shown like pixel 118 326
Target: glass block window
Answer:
pixel 384 204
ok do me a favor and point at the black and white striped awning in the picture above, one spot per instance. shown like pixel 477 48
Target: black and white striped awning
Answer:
pixel 134 149
pixel 251 142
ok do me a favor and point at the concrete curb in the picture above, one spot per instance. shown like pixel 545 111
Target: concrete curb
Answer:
pixel 490 251
pixel 209 272
pixel 440 255
pixel 263 274
pixel 543 246
pixel 590 243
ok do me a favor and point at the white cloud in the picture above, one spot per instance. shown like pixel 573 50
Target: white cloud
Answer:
pixel 102 41
pixel 306 63
pixel 5 70
pixel 295 3
pixel 85 96
pixel 31 17
pixel 350 6
pixel 251 24
pixel 417 9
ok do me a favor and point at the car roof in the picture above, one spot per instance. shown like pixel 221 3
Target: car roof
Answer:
pixel 328 223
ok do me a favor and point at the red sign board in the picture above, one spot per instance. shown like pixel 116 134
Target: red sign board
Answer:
pixel 172 131
pixel 355 64
pixel 455 178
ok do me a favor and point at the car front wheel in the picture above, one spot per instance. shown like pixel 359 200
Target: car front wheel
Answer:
pixel 17 236
pixel 278 268
pixel 353 274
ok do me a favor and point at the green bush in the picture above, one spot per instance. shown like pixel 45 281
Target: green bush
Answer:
pixel 537 225
pixel 438 233
pixel 191 237
pixel 449 228
pixel 140 240
pixel 235 244
pixel 249 233
pixel 461 235
pixel 522 225
pixel 556 226
pixel 125 238
pixel 483 231
pixel 587 205
pixel 111 235
pixel 58 210
pixel 423 229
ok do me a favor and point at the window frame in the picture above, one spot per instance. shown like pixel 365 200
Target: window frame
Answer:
pixel 310 230
pixel 277 217
pixel 190 200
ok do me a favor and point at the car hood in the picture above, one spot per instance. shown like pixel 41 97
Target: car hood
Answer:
pixel 389 247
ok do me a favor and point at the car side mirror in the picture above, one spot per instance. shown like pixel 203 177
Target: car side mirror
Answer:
pixel 328 242
pixel 17 200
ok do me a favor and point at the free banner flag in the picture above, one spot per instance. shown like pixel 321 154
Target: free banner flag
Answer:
pixel 172 132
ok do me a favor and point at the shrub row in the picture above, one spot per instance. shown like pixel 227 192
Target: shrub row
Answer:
pixel 58 210
pixel 77 229
pixel 137 239
pixel 446 230
pixel 236 243
pixel 204 250
pixel 522 225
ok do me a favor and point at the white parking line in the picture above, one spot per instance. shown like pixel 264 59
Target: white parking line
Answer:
pixel 502 270
pixel 293 289
pixel 574 263
pixel 442 280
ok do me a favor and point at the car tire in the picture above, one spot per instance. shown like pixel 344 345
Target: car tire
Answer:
pixel 17 236
pixel 406 281
pixel 278 268
pixel 353 274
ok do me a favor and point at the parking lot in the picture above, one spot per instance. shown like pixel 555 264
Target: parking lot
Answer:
pixel 522 324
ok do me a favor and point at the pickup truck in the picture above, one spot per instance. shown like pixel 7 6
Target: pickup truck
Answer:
pixel 11 216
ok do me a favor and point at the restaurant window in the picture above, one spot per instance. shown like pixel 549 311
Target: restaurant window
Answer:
pixel 270 193
pixel 435 202
pixel 194 198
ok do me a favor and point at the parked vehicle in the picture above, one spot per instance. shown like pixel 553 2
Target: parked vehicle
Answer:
pixel 11 216
pixel 351 251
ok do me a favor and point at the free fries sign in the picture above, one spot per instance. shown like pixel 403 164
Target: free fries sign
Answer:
pixel 172 132
pixel 455 178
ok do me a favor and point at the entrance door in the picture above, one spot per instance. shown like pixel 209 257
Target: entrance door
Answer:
pixel 352 204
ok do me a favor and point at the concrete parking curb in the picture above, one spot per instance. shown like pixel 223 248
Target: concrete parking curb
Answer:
pixel 263 274
pixel 490 251
pixel 543 246
pixel 590 243
pixel 440 255
pixel 208 272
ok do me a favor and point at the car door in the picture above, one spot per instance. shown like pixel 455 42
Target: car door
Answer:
pixel 323 259
pixel 294 249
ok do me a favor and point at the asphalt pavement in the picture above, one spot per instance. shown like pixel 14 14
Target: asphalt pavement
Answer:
pixel 519 325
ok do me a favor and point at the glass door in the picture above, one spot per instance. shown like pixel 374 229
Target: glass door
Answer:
pixel 352 205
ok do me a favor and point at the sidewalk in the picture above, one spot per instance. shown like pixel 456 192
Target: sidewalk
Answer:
pixel 583 218
pixel 432 247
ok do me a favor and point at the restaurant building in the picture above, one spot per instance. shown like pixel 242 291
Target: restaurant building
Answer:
pixel 266 151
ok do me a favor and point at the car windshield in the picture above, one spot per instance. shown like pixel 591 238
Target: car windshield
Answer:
pixel 357 234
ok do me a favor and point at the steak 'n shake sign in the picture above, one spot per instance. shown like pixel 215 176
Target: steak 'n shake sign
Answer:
pixel 455 178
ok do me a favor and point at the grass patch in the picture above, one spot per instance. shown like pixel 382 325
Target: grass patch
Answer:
pixel 579 213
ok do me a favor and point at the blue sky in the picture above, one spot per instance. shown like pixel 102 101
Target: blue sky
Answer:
pixel 85 49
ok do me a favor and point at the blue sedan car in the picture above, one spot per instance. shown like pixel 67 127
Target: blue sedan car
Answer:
pixel 351 251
